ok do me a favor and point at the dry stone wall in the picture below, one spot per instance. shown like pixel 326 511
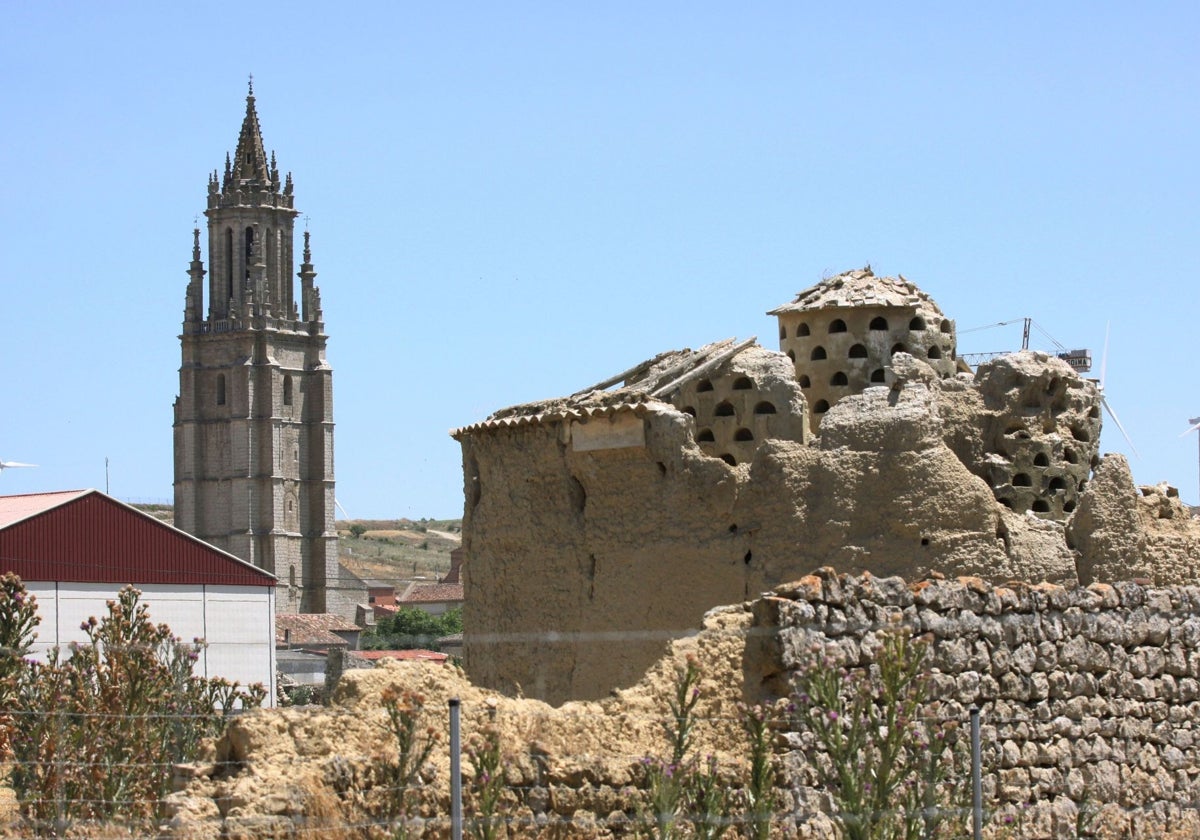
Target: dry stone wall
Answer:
pixel 1089 696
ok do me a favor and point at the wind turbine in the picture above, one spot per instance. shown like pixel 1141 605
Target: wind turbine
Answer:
pixel 1104 399
pixel 4 465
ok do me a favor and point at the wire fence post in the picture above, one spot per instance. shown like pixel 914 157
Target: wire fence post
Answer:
pixel 456 815
pixel 976 777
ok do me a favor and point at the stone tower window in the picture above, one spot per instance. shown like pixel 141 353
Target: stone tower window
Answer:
pixel 935 352
pixel 837 325
pixel 917 323
pixel 764 407
pixel 791 354
pixel 805 382
pixel 782 331
pixel 287 390
pixel 879 323
pixel 1070 456
pixel 821 407
pixel 839 378
pixel 1041 460
pixel 743 435
pixel 877 375
pixel 899 348
pixel 687 409
pixel 802 330
pixel 220 389
pixel 1022 480
pixel 818 354
pixel 743 383
pixel 228 265
pixel 729 459
pixel 249 248
pixel 858 352
pixel 1041 506
pixel 705 436
pixel 947 327
pixel 704 385
pixel 724 409
pixel 1057 483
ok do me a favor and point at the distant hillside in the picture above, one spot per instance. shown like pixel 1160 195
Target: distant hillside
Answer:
pixel 396 550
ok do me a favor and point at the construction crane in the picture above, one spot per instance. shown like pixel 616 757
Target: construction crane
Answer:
pixel 1080 360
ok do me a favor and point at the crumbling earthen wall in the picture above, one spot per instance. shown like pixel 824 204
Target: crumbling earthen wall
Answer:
pixel 1089 699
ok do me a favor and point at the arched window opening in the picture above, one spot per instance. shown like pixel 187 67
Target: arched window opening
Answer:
pixel 705 436
pixel 687 409
pixel 877 375
pixel 898 348
pixel 1041 460
pixel 1080 433
pixel 729 459
pixel 287 389
pixel 839 378
pixel 743 383
pixel 743 435
pixel 917 323
pixel 228 265
pixel 1057 483
pixel 1068 507
pixel 249 248
pixel 1006 502
pixel 821 407
pixel 802 330
pixel 1083 485
pixel 818 354
pixel 805 382
pixel 1022 480
pixel 220 389
pixel 837 325
pixel 704 385
pixel 782 331
pixel 764 407
pixel 1041 506
pixel 791 354
pixel 947 326
pixel 291 575
pixel 724 409
pixel 1070 456
pixel 1095 412
pixel 935 352
pixel 879 323
pixel 858 351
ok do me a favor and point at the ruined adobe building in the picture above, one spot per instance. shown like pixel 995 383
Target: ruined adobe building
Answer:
pixel 598 525
pixel 254 416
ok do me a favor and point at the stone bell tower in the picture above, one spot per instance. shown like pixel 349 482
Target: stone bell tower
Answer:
pixel 254 415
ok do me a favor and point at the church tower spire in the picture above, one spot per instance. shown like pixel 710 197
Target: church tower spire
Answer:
pixel 254 416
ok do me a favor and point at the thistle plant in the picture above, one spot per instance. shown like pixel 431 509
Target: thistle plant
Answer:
pixel 666 781
pixel 488 783
pixel 759 792
pixel 888 773
pixel 413 747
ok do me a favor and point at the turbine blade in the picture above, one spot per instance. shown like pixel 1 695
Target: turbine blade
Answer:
pixel 1190 430
pixel 6 464
pixel 339 507
pixel 1113 415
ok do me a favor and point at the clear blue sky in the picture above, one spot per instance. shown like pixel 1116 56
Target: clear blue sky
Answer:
pixel 512 201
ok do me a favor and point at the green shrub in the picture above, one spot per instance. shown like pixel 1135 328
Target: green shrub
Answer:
pixel 98 731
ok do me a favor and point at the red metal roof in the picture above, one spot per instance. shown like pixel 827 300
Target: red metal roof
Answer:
pixel 84 536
